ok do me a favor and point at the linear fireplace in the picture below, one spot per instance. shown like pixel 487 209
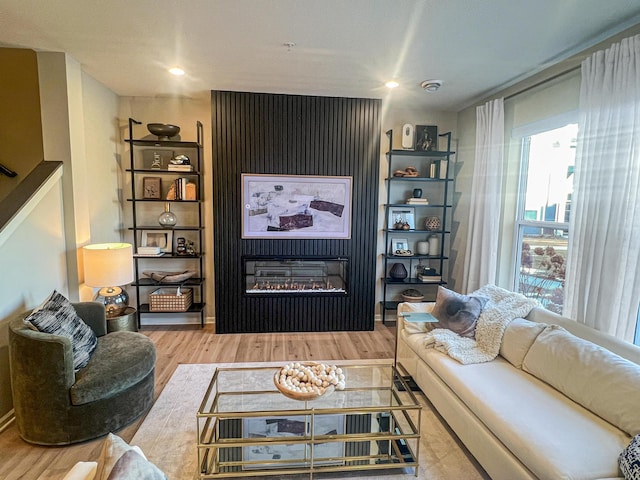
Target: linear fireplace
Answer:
pixel 300 276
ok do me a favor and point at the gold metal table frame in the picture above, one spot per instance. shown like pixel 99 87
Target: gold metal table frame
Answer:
pixel 247 427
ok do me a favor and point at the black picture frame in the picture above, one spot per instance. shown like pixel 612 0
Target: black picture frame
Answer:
pixel 426 138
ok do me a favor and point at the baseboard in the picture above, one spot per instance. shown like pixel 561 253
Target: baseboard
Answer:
pixel 7 420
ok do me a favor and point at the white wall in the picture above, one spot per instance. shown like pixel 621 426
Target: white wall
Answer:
pixel 33 264
pixel 104 176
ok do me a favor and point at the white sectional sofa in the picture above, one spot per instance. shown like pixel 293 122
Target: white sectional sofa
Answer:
pixel 552 405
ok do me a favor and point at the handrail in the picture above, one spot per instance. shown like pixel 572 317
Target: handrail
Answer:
pixel 8 172
pixel 27 188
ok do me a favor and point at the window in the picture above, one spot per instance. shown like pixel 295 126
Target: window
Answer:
pixel 542 218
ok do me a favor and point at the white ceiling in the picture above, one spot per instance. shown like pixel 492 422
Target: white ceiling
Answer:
pixel 342 47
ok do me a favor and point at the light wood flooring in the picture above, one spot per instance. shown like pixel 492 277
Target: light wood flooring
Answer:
pixel 185 344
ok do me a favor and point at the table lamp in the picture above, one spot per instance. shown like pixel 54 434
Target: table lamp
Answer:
pixel 108 266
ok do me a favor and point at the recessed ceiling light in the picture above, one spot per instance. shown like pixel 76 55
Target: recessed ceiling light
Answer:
pixel 177 71
pixel 431 85
pixel 391 84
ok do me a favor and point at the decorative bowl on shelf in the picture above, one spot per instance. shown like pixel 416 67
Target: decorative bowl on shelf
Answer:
pixel 412 295
pixel 163 130
pixel 170 277
pixel 308 381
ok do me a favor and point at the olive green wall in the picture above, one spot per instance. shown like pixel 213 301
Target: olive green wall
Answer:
pixel 20 123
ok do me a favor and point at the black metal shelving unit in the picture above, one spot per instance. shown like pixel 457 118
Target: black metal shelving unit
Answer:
pixel 437 191
pixel 144 285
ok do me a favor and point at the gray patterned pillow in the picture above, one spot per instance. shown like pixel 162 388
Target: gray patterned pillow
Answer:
pixel 456 312
pixel 57 316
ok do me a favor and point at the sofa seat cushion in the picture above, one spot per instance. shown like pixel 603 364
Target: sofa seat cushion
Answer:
pixel 550 434
pixel 121 360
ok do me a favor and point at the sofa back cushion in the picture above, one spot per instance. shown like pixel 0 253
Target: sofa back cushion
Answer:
pixel 518 338
pixel 590 375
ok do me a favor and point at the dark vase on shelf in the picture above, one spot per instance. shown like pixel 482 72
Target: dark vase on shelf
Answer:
pixel 398 271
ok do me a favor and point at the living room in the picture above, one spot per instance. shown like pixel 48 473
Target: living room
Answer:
pixel 82 121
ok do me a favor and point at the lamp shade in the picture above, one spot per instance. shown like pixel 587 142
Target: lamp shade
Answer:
pixel 108 264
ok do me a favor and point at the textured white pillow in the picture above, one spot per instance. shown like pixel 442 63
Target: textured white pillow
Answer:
pixel 120 461
pixel 518 338
pixel 590 375
pixel 82 471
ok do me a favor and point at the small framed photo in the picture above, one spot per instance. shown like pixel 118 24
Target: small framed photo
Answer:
pixel 400 216
pixel 152 187
pixel 162 239
pixel 426 138
pixel 398 245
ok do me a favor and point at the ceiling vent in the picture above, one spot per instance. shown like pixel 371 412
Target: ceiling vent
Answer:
pixel 431 85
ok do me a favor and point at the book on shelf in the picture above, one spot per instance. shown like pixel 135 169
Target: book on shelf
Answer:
pixel 430 278
pixel 180 168
pixel 182 189
pixel 417 201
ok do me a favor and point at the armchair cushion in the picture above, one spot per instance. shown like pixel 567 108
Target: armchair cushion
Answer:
pixel 121 360
pixel 57 316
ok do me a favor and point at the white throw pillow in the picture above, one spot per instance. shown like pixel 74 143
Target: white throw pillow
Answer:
pixel 120 461
pixel 82 471
pixel 518 338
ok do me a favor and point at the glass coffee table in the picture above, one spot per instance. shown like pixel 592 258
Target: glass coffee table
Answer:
pixel 246 427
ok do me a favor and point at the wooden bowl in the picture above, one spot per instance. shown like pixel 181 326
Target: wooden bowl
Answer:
pixel 299 395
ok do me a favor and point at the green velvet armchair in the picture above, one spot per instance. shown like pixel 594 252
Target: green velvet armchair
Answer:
pixel 55 406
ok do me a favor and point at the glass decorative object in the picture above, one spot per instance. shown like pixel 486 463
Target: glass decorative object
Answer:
pixel 167 219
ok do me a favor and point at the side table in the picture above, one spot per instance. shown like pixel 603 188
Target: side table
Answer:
pixel 128 321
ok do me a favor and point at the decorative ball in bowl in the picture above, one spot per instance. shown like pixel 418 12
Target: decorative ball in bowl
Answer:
pixel 163 129
pixel 309 380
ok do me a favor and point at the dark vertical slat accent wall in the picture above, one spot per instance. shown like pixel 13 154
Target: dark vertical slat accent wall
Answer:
pixel 295 135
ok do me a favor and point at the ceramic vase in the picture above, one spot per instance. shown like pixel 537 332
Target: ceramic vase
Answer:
pixel 398 271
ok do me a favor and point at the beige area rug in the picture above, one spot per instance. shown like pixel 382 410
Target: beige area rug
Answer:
pixel 168 433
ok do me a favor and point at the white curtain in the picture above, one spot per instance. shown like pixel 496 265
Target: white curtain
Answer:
pixel 603 267
pixel 481 256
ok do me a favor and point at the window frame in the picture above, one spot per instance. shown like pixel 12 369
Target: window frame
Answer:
pixel 524 133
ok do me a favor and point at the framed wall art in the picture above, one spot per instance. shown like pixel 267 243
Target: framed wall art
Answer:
pixel 151 187
pixel 296 206
pixel 401 216
pixel 426 138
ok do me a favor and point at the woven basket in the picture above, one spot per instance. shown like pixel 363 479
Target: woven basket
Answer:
pixel 168 300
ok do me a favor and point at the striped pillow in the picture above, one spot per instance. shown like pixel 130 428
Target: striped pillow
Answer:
pixel 57 316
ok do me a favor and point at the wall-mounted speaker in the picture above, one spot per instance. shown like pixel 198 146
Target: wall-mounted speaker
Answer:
pixel 408 136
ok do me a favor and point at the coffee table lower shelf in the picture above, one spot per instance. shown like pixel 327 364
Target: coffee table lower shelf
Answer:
pixel 282 437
